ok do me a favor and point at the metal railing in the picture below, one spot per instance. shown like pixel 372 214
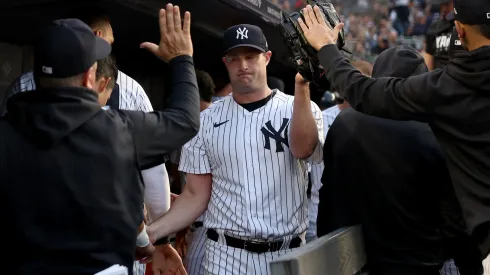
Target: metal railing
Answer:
pixel 338 253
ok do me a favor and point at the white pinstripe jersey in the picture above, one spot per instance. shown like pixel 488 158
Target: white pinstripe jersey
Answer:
pixel 259 187
pixel 131 94
pixel 316 173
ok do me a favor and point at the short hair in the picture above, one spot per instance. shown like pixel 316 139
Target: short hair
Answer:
pixel 364 67
pixel 206 86
pixel 107 68
pixel 485 30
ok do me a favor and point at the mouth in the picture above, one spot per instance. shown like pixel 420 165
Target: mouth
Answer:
pixel 244 74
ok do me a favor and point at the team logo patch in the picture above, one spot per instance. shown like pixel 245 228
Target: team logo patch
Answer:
pixel 280 136
pixel 242 33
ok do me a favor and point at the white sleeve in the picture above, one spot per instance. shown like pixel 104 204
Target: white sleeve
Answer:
pixel 317 155
pixel 194 158
pixel 157 191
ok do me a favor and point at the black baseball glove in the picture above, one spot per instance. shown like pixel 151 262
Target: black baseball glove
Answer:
pixel 301 53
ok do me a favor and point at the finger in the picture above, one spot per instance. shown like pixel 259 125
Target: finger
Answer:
pixel 338 28
pixel 302 25
pixel 311 16
pixel 152 47
pixel 307 18
pixel 170 18
pixel 177 20
pixel 318 15
pixel 162 18
pixel 187 22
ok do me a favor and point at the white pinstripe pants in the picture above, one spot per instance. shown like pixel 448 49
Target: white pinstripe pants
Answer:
pixel 195 256
pixel 139 269
pixel 450 269
pixel 221 259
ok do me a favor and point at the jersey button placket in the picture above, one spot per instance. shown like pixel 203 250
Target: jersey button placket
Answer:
pixel 248 176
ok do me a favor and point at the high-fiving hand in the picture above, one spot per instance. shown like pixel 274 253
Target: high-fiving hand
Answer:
pixel 175 39
pixel 316 30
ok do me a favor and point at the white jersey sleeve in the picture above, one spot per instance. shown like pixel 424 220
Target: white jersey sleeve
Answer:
pixel 132 96
pixel 194 158
pixel 317 155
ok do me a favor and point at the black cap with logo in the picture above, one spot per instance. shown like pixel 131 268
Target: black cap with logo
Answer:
pixel 67 47
pixel 472 12
pixel 244 35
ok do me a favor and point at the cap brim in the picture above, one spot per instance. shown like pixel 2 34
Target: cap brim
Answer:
pixel 246 45
pixel 102 48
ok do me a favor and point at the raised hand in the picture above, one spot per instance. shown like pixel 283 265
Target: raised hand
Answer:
pixel 316 30
pixel 175 38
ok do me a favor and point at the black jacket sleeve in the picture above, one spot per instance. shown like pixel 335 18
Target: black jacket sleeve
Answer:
pixel 387 97
pixel 158 133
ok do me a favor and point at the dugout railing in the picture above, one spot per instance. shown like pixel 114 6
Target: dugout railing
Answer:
pixel 338 253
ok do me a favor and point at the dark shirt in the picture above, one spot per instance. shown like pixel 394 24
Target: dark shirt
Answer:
pixel 71 187
pixel 454 102
pixel 438 41
pixel 390 177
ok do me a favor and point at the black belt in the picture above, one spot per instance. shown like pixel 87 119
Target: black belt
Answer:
pixel 255 247
pixel 198 224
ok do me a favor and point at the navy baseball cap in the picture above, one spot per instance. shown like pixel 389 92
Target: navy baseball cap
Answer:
pixel 67 47
pixel 244 35
pixel 472 12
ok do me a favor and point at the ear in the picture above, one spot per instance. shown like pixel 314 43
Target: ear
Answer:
pixel 459 29
pixel 89 77
pixel 98 33
pixel 268 56
pixel 224 59
pixel 104 82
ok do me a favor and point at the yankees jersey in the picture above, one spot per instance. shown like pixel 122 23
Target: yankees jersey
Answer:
pixel 329 116
pixel 259 187
pixel 316 171
pixel 131 95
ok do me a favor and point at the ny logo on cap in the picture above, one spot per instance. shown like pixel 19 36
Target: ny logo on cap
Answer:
pixel 242 33
pixel 488 15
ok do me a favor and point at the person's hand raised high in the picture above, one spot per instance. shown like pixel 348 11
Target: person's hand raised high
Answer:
pixel 175 37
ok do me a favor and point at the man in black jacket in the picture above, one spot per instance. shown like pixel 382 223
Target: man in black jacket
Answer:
pixel 454 101
pixel 400 193
pixel 70 178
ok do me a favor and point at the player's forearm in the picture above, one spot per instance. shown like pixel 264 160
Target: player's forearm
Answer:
pixel 304 132
pixel 429 61
pixel 184 211
pixel 157 191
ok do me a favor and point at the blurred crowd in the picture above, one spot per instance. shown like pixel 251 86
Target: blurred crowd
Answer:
pixel 372 26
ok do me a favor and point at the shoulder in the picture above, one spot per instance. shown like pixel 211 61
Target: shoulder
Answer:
pixel 128 84
pixel 331 112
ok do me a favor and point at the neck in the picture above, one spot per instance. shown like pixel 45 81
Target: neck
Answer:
pixel 252 96
pixel 478 41
pixel 478 44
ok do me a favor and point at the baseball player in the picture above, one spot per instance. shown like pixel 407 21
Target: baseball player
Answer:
pixel 247 165
pixel 127 95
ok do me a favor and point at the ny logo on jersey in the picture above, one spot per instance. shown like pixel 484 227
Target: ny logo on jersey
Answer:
pixel 242 33
pixel 269 132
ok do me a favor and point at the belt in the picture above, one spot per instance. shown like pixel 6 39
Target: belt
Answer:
pixel 255 247
pixel 198 224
